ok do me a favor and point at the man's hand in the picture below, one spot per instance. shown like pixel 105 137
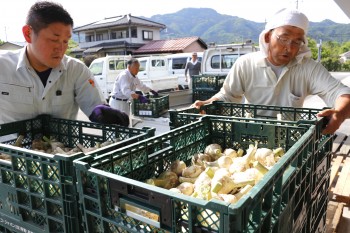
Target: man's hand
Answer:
pixel 143 99
pixel 155 94
pixel 198 104
pixel 334 120
pixel 106 115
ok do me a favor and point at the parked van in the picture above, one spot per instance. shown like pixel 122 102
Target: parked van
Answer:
pixel 106 69
pixel 154 73
pixel 218 59
pixel 177 63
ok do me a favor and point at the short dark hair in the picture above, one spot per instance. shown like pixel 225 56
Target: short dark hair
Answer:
pixel 43 13
pixel 132 61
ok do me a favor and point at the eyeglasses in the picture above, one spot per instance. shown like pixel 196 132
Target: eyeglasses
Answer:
pixel 293 43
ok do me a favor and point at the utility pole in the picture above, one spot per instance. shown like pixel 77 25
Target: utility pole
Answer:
pixel 297 4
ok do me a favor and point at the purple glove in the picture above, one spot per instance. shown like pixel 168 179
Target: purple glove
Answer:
pixel 106 115
pixel 143 99
pixel 155 94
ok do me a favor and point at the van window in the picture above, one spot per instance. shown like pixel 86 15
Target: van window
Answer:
pixel 179 63
pixel 142 65
pixel 117 64
pixel 96 68
pixel 227 61
pixel 158 63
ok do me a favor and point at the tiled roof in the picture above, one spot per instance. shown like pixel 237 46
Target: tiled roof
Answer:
pixel 119 21
pixel 172 45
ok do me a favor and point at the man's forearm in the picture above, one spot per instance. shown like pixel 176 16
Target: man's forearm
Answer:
pixel 342 105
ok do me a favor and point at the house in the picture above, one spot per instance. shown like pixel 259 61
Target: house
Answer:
pixel 177 45
pixel 345 57
pixel 120 35
pixel 12 45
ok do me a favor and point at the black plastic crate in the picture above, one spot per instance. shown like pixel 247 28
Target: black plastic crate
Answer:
pixel 208 82
pixel 156 107
pixel 278 202
pixel 38 191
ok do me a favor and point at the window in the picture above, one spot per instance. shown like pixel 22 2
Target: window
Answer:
pixel 117 64
pixel 119 34
pixel 133 32
pixel 142 65
pixel 179 63
pixel 147 35
pixel 158 63
pixel 226 62
pixel 96 68
pixel 99 37
pixel 89 38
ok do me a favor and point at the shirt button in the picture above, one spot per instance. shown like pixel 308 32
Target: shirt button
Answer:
pixel 44 98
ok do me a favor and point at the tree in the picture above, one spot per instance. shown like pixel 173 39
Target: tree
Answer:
pixel 71 44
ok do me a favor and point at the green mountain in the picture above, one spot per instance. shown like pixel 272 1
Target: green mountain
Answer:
pixel 211 26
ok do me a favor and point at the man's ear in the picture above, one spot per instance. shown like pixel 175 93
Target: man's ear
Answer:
pixel 267 37
pixel 27 30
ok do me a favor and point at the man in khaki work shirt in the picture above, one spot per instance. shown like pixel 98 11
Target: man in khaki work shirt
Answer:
pixel 283 73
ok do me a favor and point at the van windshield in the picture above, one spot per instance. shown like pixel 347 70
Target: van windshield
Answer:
pixel 96 68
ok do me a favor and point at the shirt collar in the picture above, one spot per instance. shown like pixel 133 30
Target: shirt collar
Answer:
pixel 23 61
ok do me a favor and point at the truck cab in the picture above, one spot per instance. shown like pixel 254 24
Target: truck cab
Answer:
pixel 218 59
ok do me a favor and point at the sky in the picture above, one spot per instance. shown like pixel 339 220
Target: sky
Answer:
pixel 13 14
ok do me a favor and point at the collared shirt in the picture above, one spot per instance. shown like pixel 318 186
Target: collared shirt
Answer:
pixel 23 96
pixel 125 84
pixel 252 78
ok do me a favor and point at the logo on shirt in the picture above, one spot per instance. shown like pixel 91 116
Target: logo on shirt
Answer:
pixel 92 82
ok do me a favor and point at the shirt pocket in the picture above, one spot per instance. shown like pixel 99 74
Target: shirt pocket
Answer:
pixel 296 101
pixel 62 104
pixel 16 101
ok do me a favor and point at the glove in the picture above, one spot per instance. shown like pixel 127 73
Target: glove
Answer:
pixel 143 99
pixel 155 94
pixel 106 115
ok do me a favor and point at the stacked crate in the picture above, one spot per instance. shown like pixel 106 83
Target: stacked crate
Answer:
pixel 38 190
pixel 205 86
pixel 112 191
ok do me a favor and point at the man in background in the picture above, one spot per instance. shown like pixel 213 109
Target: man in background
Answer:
pixel 192 67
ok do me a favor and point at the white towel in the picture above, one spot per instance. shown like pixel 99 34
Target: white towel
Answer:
pixel 285 17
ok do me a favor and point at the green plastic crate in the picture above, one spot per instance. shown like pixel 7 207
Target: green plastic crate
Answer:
pixel 156 107
pixel 108 183
pixel 202 94
pixel 319 202
pixel 37 190
pixel 289 115
pixel 208 82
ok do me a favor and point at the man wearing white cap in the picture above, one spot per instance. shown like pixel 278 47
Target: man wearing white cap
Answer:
pixel 283 73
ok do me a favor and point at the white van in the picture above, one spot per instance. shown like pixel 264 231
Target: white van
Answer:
pixel 177 63
pixel 154 73
pixel 218 59
pixel 106 69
